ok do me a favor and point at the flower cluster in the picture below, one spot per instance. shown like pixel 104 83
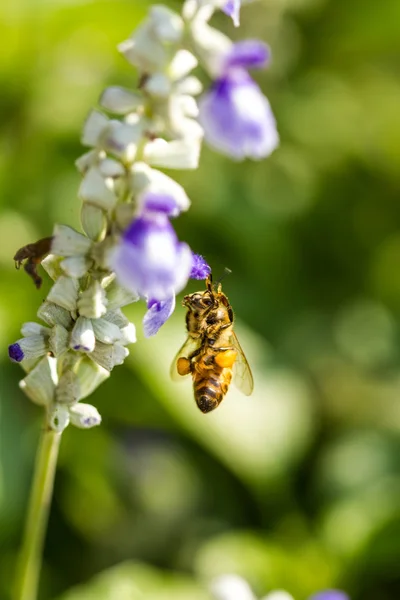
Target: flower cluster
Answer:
pixel 129 249
pixel 232 587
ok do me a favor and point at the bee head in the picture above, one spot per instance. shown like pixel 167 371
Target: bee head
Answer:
pixel 199 300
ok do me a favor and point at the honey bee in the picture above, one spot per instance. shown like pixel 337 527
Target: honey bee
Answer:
pixel 211 353
pixel 33 254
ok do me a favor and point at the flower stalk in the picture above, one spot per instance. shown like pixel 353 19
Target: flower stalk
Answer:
pixel 30 558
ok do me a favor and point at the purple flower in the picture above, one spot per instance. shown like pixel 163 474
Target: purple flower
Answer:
pixel 15 352
pixel 236 117
pixel 157 314
pixel 149 259
pixel 161 203
pixel 200 269
pixel 232 8
pixel 159 311
pixel 329 595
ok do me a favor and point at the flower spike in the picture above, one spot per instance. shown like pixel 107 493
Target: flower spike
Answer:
pixel 129 249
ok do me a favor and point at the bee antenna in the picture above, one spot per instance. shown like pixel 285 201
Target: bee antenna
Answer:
pixel 224 274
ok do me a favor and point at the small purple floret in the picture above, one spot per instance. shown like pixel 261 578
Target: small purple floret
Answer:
pixel 158 312
pixel 162 203
pixel 150 260
pixel 248 54
pixel 237 118
pixel 232 8
pixel 15 352
pixel 200 269
pixel 330 595
pixel 235 115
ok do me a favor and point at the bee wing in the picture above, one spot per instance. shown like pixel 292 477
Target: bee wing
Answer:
pixel 189 346
pixel 242 375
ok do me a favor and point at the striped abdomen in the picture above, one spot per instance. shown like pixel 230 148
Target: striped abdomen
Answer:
pixel 210 386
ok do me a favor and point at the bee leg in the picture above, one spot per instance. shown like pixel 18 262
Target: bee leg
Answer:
pixel 183 366
pixel 195 353
pixel 225 358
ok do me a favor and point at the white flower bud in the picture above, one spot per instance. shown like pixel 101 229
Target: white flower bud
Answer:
pixel 69 242
pixel 231 587
pixel 189 9
pixel 145 179
pixel 190 85
pixel 178 154
pixel 97 190
pixel 118 296
pixel 109 356
pixel 93 302
pixel 182 63
pixel 82 336
pixel 40 383
pixel 64 292
pixel 121 139
pixel 93 221
pixel 87 160
pixel 178 109
pixel 128 334
pixel 166 24
pixel 278 595
pixel 52 314
pixel 93 128
pixel 188 105
pixel 84 416
pixel 119 100
pixel 211 45
pixel 158 85
pixel 58 341
pixel 75 266
pixel 33 346
pixel 68 389
pixel 32 328
pixel 90 375
pixel 204 9
pixel 109 167
pixel 106 332
pixel 51 264
pixel 59 418
pixel 144 50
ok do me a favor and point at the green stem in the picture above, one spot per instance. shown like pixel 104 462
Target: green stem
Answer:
pixel 30 558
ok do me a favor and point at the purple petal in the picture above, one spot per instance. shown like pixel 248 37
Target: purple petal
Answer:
pixel 248 54
pixel 161 203
pixel 237 118
pixel 15 352
pixel 150 260
pixel 232 8
pixel 157 314
pixel 330 595
pixel 200 269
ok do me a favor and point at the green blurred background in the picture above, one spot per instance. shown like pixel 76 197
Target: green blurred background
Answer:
pixel 298 486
